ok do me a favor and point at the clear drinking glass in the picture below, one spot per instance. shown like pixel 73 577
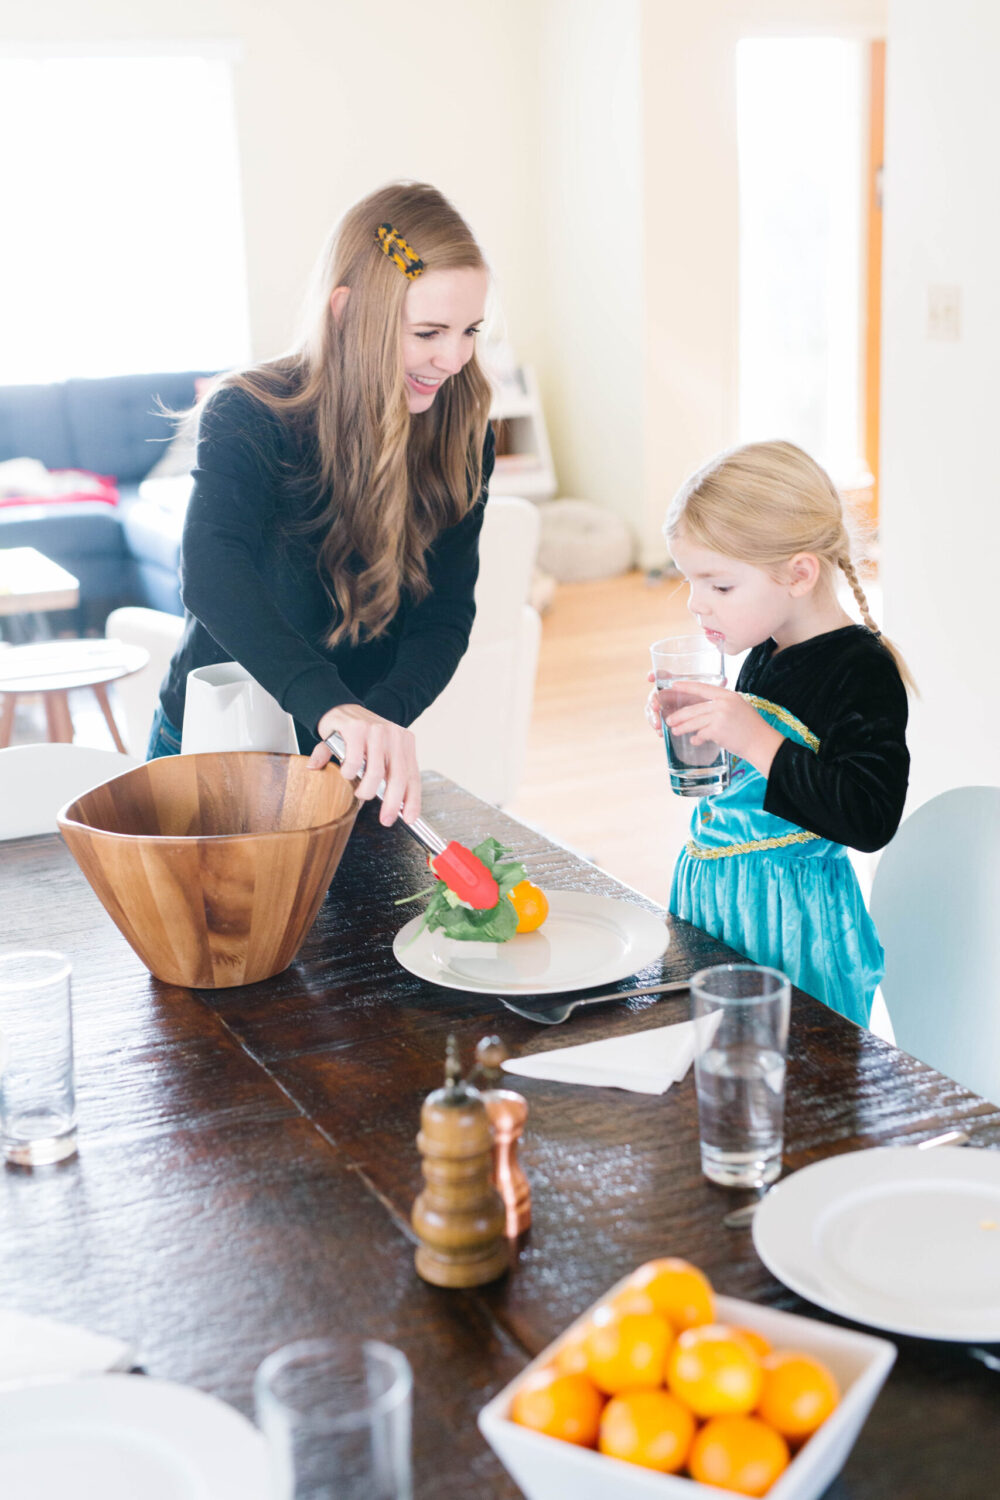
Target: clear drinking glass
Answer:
pixel 695 770
pixel 37 1096
pixel 336 1415
pixel 741 1038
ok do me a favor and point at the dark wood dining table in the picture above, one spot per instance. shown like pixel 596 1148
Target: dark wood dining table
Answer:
pixel 247 1165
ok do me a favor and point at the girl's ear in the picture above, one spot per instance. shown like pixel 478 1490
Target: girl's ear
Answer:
pixel 803 573
pixel 338 301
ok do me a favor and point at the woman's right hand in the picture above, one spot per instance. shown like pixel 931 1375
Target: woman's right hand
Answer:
pixel 388 753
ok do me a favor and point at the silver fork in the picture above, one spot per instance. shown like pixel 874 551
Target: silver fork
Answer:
pixel 741 1218
pixel 554 1014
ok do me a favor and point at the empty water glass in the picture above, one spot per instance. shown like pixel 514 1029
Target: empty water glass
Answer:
pixel 336 1415
pixel 741 1037
pixel 37 1095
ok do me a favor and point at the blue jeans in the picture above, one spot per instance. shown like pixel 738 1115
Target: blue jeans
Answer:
pixel 164 739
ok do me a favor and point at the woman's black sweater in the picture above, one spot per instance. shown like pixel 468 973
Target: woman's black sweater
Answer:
pixel 846 688
pixel 253 593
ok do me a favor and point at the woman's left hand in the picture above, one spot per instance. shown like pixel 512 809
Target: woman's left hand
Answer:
pixel 725 718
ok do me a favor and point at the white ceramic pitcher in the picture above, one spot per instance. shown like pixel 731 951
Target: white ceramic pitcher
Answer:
pixel 227 709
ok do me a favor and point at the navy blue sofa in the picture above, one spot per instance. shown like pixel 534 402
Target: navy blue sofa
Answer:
pixel 124 554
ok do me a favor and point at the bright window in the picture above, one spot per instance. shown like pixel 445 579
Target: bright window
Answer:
pixel 801 139
pixel 122 247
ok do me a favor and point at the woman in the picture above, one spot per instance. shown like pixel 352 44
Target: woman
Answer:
pixel 331 540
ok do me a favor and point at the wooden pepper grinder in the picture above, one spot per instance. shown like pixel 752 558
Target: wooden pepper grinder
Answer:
pixel 508 1113
pixel 459 1216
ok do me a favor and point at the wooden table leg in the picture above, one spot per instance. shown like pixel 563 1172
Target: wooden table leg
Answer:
pixel 58 718
pixel 101 694
pixel 8 703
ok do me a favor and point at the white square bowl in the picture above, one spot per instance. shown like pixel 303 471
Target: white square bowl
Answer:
pixel 548 1469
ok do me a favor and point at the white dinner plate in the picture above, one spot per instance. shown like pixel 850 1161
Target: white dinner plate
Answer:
pixel 126 1437
pixel 585 940
pixel 898 1238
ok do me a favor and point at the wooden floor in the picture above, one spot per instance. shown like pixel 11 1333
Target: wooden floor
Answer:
pixel 595 774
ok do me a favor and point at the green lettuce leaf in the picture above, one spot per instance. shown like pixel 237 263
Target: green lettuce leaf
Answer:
pixel 444 910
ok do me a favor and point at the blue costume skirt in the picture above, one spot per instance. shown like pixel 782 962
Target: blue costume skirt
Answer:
pixel 791 899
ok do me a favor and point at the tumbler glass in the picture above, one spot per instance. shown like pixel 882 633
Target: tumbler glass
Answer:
pixel 336 1415
pixel 695 770
pixel 37 1096
pixel 741 1037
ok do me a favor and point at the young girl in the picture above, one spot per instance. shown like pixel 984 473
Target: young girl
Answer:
pixel 331 540
pixel 815 727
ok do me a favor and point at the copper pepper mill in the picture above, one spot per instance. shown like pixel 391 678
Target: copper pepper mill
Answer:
pixel 507 1112
pixel 459 1216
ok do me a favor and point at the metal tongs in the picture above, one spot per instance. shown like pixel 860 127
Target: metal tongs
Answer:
pixel 461 870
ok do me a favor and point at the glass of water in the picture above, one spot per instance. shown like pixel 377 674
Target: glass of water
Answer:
pixel 695 770
pixel 336 1415
pixel 37 1095
pixel 741 1038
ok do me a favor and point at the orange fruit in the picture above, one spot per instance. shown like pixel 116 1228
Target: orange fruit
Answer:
pixel 531 905
pixel 798 1393
pixel 562 1406
pixel 679 1291
pixel 715 1371
pixel 738 1453
pixel 627 1351
pixel 650 1428
pixel 758 1343
pixel 571 1356
pixel 632 1299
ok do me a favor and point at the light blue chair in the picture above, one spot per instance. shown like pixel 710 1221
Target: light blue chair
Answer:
pixel 936 903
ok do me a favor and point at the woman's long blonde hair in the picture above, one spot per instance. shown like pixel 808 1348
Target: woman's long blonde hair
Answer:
pixel 390 481
pixel 762 504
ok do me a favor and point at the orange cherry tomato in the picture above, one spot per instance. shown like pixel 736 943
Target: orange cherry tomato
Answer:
pixel 627 1351
pixel 650 1428
pixel 799 1393
pixel 562 1406
pixel 738 1453
pixel 531 905
pixel 678 1290
pixel 714 1370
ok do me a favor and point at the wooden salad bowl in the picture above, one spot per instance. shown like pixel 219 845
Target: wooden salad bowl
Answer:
pixel 213 866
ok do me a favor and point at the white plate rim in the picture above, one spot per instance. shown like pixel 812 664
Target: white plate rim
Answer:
pixel 811 1192
pixel 223 1445
pixel 651 932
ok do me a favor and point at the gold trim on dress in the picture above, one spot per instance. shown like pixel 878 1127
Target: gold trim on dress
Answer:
pixel 783 717
pixel 751 846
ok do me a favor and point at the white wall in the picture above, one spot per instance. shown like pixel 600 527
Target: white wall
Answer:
pixel 940 497
pixel 334 98
pixel 591 143
pixel 591 365
pixel 691 226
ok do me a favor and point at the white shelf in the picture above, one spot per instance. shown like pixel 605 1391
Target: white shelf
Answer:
pixel 526 468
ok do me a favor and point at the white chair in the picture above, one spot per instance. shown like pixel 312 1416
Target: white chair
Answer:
pixel 936 903
pixel 136 697
pixel 476 731
pixel 37 780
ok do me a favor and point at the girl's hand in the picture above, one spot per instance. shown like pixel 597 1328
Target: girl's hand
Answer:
pixel 388 752
pixel 652 710
pixel 723 717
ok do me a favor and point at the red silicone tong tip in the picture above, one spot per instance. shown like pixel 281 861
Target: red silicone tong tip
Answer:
pixel 465 874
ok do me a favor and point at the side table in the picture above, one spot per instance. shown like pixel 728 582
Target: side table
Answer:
pixel 53 669
pixel 31 583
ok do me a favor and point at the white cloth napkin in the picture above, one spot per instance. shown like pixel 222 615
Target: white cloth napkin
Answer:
pixel 644 1062
pixel 33 1347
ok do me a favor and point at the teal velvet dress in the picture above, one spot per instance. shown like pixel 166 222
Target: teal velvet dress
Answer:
pixel 766 868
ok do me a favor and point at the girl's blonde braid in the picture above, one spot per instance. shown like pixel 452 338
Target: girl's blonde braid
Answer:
pixel 849 572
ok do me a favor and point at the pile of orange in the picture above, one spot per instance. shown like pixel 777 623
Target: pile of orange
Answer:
pixel 653 1379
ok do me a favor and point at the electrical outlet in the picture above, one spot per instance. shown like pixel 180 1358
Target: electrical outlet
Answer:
pixel 944 313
